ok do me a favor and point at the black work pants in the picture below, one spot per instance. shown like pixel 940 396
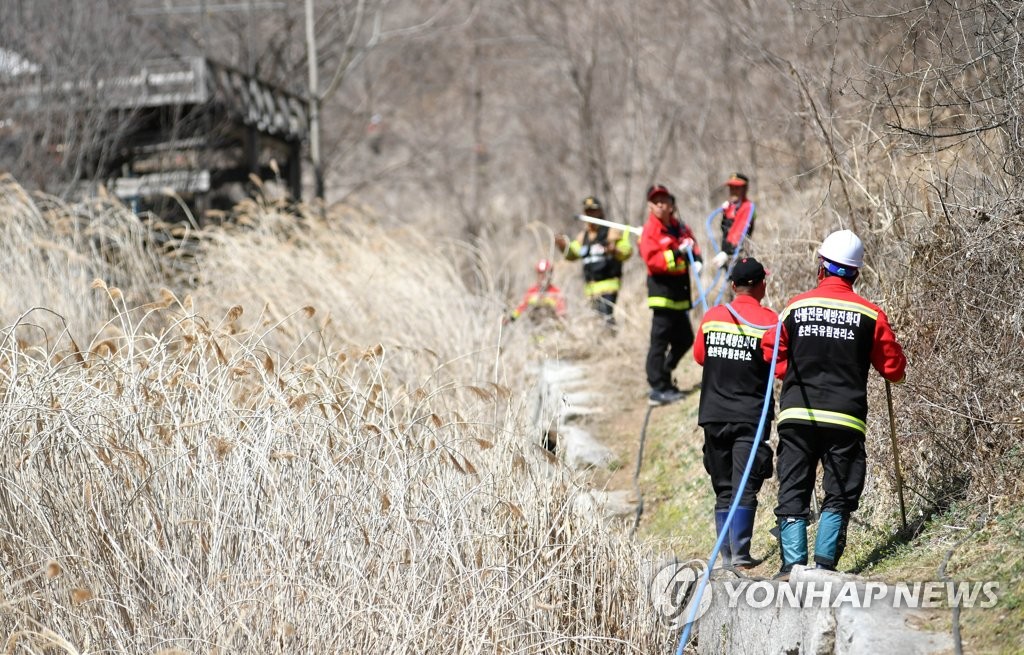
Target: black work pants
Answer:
pixel 843 459
pixel 671 337
pixel 726 449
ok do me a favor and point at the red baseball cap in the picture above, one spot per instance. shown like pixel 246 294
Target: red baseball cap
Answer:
pixel 656 190
pixel 737 179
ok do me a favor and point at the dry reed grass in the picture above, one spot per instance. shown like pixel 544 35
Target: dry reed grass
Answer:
pixel 312 451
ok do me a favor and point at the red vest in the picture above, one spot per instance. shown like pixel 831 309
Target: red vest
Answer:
pixel 737 218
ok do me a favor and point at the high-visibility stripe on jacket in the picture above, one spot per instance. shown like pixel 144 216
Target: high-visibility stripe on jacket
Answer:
pixel 601 287
pixel 735 373
pixel 830 338
pixel 805 415
pixel 736 217
pixel 663 248
pixel 602 266
pixel 600 261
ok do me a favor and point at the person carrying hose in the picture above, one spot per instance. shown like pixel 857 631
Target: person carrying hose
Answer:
pixel 738 216
pixel 828 340
pixel 666 246
pixel 602 250
pixel 733 385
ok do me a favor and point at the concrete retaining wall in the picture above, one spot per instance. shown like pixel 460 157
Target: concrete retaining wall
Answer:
pixel 734 626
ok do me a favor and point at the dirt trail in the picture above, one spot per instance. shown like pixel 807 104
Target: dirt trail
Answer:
pixel 607 404
pixel 606 399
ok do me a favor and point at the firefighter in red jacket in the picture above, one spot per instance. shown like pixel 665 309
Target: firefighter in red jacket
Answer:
pixel 543 300
pixel 829 339
pixel 664 245
pixel 738 216
pixel 731 398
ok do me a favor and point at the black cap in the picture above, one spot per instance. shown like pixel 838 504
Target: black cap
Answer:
pixel 747 272
pixel 590 202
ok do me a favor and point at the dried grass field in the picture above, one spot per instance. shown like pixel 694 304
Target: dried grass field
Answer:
pixel 312 446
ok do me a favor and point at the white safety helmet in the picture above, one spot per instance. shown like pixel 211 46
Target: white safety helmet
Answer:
pixel 543 266
pixel 843 247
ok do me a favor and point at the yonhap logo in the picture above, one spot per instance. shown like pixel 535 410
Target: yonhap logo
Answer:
pixel 672 592
pixel 673 588
pixel 834 593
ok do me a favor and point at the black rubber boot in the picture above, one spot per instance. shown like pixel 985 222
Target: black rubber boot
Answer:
pixel 741 531
pixel 726 550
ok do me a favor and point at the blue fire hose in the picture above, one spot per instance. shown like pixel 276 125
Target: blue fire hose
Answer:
pixel 724 272
pixel 737 493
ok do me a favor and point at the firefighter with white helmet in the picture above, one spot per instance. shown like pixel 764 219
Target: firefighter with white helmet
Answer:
pixel 829 338
pixel 843 247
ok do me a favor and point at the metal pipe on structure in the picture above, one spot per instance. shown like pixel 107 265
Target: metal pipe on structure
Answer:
pixel 314 103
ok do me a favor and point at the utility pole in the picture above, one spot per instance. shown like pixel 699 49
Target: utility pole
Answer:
pixel 249 38
pixel 479 148
pixel 204 27
pixel 314 104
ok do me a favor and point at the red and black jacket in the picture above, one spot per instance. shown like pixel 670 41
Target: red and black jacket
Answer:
pixel 536 297
pixel 737 219
pixel 735 373
pixel 829 338
pixel 663 248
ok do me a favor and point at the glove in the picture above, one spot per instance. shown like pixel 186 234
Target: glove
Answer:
pixel 561 242
pixel 697 267
pixel 720 260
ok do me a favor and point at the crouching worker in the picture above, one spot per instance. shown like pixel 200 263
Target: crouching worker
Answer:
pixel 731 401
pixel 543 300
pixel 828 340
